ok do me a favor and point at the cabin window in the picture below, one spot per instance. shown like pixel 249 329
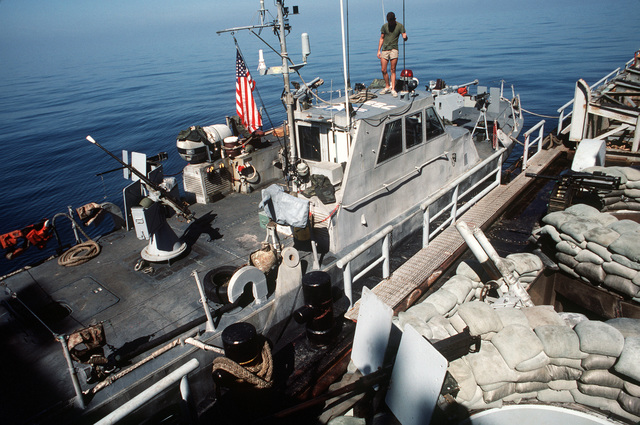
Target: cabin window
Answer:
pixel 434 125
pixel 391 141
pixel 310 143
pixel 413 130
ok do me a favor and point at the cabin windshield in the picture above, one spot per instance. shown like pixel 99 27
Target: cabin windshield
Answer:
pixel 413 130
pixel 434 125
pixel 391 141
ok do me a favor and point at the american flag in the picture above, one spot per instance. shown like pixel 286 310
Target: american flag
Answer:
pixel 245 104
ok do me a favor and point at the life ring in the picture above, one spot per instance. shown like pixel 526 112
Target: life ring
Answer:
pixel 249 172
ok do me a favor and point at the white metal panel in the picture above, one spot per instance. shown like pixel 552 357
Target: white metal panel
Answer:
pixel 416 379
pixel 372 333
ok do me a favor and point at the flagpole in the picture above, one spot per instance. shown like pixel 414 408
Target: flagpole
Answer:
pixel 288 98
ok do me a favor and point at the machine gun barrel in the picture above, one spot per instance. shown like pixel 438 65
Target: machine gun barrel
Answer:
pixel 166 196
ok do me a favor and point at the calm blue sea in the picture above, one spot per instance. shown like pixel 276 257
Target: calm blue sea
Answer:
pixel 138 94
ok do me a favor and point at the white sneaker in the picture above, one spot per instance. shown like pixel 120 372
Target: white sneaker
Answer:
pixel 394 93
pixel 385 90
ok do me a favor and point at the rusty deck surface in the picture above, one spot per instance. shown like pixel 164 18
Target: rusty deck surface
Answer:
pixel 408 282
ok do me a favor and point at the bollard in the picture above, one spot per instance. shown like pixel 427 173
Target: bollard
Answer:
pixel 317 313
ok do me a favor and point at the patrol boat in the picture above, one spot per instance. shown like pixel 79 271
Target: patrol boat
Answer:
pixel 116 333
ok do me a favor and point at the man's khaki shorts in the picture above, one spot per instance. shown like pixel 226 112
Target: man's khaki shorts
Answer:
pixel 389 54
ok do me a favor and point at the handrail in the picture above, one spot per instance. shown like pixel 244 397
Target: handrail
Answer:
pixel 385 234
pixel 562 117
pixel 528 144
pixel 452 206
pixel 385 258
pixel 386 186
pixel 149 393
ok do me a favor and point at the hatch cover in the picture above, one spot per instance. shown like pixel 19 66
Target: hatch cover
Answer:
pixel 86 298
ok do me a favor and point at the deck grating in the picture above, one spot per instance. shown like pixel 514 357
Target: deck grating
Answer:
pixel 424 263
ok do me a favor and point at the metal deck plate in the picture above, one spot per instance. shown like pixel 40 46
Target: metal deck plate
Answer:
pixel 86 297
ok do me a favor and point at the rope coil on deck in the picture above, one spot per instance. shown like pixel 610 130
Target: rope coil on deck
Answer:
pixel 260 375
pixel 80 253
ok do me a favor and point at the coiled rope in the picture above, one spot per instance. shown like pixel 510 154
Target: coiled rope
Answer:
pixel 260 375
pixel 80 253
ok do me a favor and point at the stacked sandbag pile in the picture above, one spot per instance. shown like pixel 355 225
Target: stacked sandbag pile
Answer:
pixel 429 317
pixel 627 196
pixel 596 247
pixel 532 353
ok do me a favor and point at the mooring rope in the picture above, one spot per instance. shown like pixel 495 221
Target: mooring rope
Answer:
pixel 80 253
pixel 540 115
pixel 260 375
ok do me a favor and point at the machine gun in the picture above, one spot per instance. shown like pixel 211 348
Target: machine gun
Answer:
pixel 582 187
pixel 157 191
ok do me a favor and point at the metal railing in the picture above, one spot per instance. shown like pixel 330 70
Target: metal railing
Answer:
pixel 604 80
pixel 528 143
pixel 453 208
pixel 345 262
pixel 138 401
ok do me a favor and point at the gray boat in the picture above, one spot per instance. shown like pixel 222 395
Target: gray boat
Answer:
pixel 147 304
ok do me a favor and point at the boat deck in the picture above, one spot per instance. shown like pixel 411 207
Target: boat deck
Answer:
pixel 409 282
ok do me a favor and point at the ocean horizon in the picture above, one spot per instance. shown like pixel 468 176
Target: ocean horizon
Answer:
pixel 136 90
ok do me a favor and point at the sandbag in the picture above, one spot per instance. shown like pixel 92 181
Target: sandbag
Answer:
pixel 628 327
pixel 611 267
pixel 559 341
pixel 517 343
pixel 600 250
pixel 622 285
pixel 557 218
pixel 624 226
pixel 629 403
pixel 599 338
pixel 553 396
pixel 443 301
pixel 577 228
pixel 627 363
pixel 627 245
pixel 599 391
pixel 598 361
pixel 460 286
pixel 470 270
pixel 512 316
pixel 463 375
pixel 591 271
pixel 480 317
pixel 542 315
pixel 632 389
pixel 588 256
pixel 568 248
pixel 625 261
pixel 601 235
pixel 424 310
pixel 602 378
pixel 526 262
pixel 488 366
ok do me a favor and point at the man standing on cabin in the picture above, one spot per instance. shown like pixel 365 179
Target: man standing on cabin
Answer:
pixel 388 51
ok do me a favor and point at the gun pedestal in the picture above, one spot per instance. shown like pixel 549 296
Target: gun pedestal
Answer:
pixel 150 223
